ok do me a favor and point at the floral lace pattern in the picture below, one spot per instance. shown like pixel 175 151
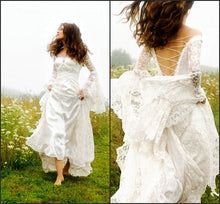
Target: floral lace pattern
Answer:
pixel 121 155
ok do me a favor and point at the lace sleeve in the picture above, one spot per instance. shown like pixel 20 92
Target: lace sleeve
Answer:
pixel 92 89
pixel 125 91
pixel 194 52
pixel 140 66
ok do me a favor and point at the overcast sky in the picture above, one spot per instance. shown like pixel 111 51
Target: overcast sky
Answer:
pixel 27 29
pixel 204 16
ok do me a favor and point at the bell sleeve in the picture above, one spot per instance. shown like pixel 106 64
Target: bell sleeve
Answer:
pixel 92 89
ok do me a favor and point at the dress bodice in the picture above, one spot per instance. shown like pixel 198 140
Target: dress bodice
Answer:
pixel 65 81
pixel 65 68
pixel 66 65
pixel 147 64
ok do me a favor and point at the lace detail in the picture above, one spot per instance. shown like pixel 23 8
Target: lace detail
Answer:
pixel 141 73
pixel 121 155
pixel 194 52
pixel 92 88
pixel 179 113
pixel 126 99
pixel 198 91
pixel 145 66
pixel 135 101
pixel 116 103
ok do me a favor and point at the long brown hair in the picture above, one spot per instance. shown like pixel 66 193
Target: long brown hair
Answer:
pixel 76 49
pixel 156 21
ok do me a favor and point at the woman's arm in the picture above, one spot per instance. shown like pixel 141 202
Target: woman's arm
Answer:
pixel 92 90
pixel 194 52
pixel 141 63
pixel 91 77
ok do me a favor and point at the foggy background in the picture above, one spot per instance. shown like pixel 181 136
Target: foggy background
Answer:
pixel 28 27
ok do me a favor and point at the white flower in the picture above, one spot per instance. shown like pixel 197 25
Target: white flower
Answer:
pixel 25 148
pixel 35 108
pixel 10 146
pixel 17 148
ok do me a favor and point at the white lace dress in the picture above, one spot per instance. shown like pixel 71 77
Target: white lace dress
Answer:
pixel 64 130
pixel 170 151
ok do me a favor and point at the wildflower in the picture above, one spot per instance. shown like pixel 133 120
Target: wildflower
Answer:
pixel 25 147
pixel 17 148
pixel 10 146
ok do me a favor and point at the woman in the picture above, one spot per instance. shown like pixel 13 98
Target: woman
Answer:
pixel 63 136
pixel 170 150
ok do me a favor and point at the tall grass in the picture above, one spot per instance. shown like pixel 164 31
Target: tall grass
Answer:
pixel 23 179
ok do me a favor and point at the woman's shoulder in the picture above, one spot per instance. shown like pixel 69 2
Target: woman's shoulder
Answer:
pixel 191 35
pixel 192 31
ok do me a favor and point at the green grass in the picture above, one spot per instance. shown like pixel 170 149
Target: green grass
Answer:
pixel 33 185
pixel 28 183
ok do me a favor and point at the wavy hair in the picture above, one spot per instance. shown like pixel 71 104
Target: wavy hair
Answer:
pixel 156 21
pixel 76 49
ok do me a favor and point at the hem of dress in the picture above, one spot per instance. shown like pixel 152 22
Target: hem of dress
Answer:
pixel 35 148
pixel 79 172
pixel 74 174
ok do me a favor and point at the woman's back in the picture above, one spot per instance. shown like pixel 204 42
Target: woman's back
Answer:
pixel 170 55
pixel 184 58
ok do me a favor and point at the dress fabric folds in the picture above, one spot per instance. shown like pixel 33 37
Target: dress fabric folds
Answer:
pixel 64 130
pixel 171 146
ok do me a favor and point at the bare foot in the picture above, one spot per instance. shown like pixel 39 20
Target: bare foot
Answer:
pixel 66 168
pixel 59 181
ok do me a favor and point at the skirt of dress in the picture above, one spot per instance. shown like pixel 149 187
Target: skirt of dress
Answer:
pixel 176 170
pixel 176 165
pixel 64 131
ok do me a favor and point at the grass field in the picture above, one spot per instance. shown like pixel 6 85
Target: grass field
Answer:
pixel 23 179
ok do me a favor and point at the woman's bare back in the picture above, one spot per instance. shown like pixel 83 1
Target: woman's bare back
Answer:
pixel 168 56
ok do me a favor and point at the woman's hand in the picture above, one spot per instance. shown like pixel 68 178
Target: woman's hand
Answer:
pixel 81 95
pixel 203 101
pixel 49 87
